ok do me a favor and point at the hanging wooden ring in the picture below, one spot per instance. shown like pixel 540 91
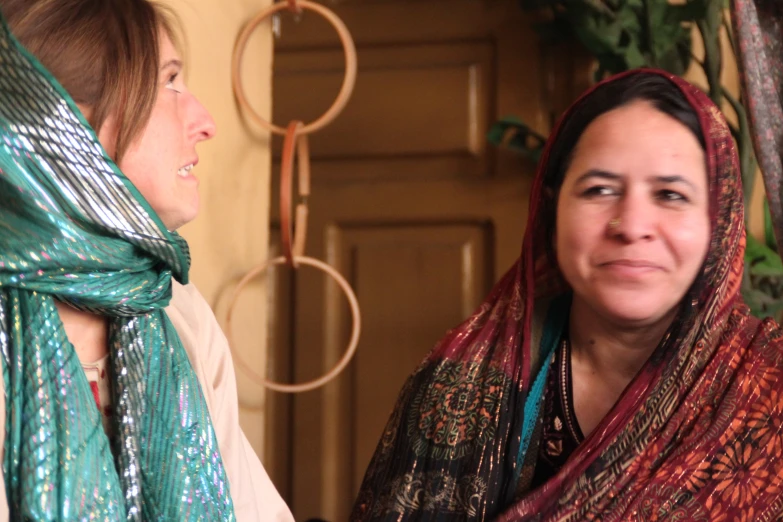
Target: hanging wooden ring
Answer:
pixel 353 342
pixel 350 66
pixel 294 7
pixel 294 142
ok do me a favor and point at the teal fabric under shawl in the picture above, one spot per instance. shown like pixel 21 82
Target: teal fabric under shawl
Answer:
pixel 73 228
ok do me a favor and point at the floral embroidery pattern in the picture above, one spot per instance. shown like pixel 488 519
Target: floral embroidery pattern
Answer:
pixel 432 492
pixel 739 474
pixel 456 411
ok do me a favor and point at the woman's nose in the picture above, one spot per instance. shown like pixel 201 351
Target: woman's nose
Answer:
pixel 634 220
pixel 202 125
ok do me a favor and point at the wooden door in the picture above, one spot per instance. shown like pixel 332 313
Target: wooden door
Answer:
pixel 409 202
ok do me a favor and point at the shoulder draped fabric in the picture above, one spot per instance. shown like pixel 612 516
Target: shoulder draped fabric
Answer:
pixel 697 435
pixel 74 229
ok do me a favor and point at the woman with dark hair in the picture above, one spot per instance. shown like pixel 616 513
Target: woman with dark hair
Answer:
pixel 119 395
pixel 614 373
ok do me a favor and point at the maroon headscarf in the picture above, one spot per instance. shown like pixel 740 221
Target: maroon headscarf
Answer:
pixel 697 435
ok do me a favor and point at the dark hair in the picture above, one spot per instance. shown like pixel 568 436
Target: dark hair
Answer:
pixel 660 92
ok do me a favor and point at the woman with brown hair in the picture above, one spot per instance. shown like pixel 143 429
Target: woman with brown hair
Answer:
pixel 614 373
pixel 99 136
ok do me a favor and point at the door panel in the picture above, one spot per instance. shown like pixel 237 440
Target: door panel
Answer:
pixel 408 203
pixel 426 100
pixel 445 275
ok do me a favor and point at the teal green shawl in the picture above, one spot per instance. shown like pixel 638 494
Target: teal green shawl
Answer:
pixel 74 229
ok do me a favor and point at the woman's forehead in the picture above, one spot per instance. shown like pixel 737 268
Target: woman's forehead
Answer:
pixel 168 51
pixel 637 130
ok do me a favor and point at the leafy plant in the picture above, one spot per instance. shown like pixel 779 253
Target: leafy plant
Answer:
pixel 511 133
pixel 626 34
pixel 763 290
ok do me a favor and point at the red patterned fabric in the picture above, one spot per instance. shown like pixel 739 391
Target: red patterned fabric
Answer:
pixel 697 436
pixel 96 394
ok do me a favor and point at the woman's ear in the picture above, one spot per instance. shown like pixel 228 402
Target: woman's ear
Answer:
pixel 86 111
pixel 107 133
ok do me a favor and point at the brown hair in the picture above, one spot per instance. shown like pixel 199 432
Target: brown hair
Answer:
pixel 105 53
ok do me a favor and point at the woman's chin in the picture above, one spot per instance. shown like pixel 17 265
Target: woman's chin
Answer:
pixel 632 310
pixel 182 216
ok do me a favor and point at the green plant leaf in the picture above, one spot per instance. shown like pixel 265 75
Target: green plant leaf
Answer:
pixel 598 36
pixel 762 260
pixel 762 304
pixel 511 133
pixel 634 58
pixel 688 12
pixel 769 230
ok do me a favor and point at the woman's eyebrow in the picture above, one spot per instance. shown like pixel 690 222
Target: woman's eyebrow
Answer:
pixel 674 178
pixel 597 173
pixel 175 62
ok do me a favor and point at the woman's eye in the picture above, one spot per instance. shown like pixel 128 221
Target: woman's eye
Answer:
pixel 598 190
pixel 671 195
pixel 170 82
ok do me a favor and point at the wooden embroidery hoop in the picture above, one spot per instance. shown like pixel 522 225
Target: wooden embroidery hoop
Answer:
pixel 350 64
pixel 352 343
pixel 294 238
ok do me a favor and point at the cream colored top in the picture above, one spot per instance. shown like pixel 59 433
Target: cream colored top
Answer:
pixel 255 497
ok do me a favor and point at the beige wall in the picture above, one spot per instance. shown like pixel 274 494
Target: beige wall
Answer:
pixel 231 232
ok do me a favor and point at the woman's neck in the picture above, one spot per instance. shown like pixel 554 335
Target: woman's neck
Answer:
pixel 605 358
pixel 87 332
pixel 614 351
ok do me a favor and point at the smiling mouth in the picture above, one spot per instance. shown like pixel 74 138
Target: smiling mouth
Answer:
pixel 630 269
pixel 627 263
pixel 184 172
